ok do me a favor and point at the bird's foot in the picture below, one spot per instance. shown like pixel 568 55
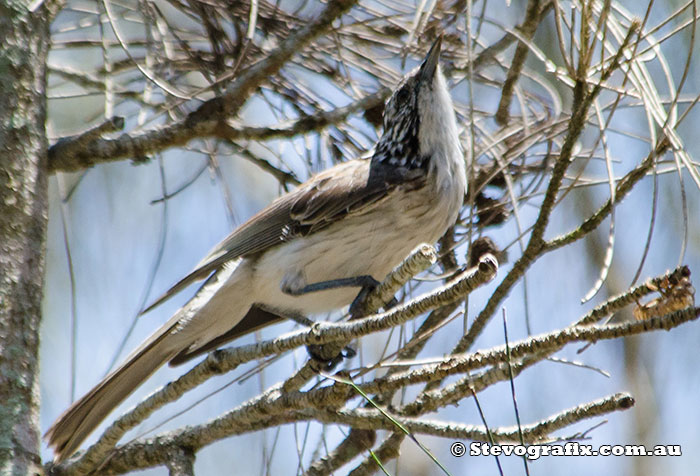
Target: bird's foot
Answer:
pixel 358 309
pixel 323 354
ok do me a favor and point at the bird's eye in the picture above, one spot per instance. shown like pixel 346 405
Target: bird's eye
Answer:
pixel 402 96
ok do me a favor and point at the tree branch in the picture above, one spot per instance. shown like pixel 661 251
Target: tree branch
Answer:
pixel 203 122
pixel 273 406
pixel 538 432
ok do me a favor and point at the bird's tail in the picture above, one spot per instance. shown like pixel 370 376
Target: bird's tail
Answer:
pixel 84 415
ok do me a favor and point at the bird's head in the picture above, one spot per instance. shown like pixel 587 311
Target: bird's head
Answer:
pixel 418 117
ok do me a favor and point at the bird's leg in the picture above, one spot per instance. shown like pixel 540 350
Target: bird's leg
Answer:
pixel 366 282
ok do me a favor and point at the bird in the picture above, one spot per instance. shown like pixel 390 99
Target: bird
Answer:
pixel 311 250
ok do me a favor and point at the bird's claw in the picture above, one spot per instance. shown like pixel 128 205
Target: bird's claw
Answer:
pixel 357 308
pixel 319 354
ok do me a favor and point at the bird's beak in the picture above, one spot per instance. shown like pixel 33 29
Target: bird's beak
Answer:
pixel 427 69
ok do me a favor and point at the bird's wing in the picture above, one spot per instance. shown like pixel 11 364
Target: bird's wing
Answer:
pixel 347 188
pixel 256 318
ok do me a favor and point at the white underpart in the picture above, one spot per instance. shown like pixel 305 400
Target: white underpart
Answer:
pixel 439 139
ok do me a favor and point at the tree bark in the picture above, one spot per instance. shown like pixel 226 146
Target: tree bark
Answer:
pixel 24 44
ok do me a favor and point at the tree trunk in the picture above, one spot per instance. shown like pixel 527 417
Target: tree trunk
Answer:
pixel 24 43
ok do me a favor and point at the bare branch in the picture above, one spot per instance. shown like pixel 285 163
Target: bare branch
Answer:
pixel 180 462
pixel 203 122
pixel 276 403
pixel 538 432
pixel 305 124
pixel 356 442
pixel 527 30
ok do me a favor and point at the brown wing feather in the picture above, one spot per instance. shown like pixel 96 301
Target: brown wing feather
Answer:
pixel 262 231
pixel 325 198
pixel 255 319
